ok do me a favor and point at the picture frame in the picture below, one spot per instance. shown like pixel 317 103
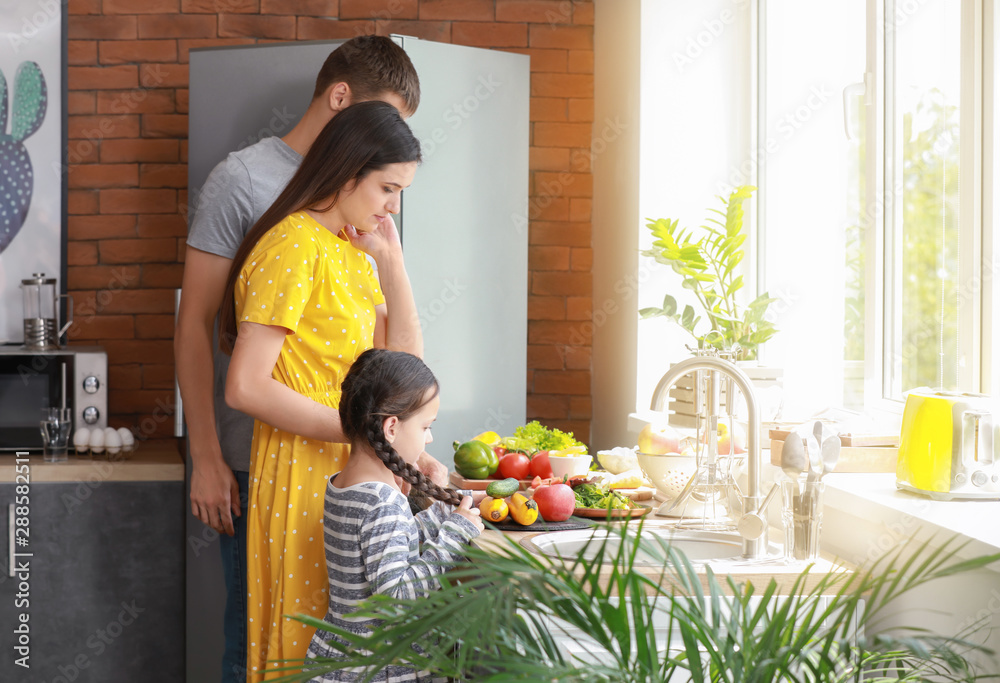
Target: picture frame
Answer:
pixel 33 152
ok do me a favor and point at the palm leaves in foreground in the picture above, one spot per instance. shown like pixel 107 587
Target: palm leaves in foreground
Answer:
pixel 495 620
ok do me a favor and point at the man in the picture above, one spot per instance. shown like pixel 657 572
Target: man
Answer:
pixel 235 195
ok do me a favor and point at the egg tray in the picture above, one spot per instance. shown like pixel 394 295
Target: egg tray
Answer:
pixel 121 453
pixel 87 442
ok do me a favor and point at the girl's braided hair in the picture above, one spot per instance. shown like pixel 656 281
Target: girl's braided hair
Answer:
pixel 381 384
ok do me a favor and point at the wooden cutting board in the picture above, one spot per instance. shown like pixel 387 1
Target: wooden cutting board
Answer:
pixel 460 482
pixel 641 493
pixel 853 458
pixel 849 440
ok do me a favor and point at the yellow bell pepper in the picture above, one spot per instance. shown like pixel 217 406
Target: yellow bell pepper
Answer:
pixel 488 438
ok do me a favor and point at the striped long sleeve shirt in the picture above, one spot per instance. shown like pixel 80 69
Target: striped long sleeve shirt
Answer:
pixel 374 544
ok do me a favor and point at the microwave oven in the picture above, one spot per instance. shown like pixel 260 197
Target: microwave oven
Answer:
pixel 33 380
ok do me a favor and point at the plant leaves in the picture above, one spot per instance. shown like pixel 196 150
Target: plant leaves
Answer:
pixel 669 305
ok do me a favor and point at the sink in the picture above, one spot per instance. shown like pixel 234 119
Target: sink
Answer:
pixel 699 546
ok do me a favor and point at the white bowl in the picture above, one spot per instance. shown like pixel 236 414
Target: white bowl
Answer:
pixel 618 460
pixel 570 465
pixel 669 473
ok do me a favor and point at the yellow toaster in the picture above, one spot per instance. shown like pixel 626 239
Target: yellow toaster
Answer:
pixel 946 446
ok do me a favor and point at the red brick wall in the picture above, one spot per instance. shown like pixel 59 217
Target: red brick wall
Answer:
pixel 128 79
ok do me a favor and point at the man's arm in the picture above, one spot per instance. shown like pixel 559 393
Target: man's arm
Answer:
pixel 223 216
pixel 214 492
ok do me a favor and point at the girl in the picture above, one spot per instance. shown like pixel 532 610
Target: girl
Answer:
pixel 308 303
pixel 373 542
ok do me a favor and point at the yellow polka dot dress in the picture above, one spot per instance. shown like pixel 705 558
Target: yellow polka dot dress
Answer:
pixel 302 277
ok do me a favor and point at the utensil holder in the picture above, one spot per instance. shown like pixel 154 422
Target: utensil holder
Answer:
pixel 802 517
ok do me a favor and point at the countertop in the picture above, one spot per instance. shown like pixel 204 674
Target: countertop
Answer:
pixel 159 460
pixel 757 573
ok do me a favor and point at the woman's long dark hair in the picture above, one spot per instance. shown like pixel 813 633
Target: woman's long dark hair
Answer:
pixel 362 138
pixel 381 384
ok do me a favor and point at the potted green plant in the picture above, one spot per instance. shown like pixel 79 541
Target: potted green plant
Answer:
pixel 709 265
pixel 495 620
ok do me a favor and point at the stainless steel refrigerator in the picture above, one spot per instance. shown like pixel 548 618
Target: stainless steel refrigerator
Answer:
pixel 463 225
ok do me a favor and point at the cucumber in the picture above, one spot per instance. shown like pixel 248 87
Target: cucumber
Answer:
pixel 503 488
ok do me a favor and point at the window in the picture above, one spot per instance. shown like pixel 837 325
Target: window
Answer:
pixel 870 219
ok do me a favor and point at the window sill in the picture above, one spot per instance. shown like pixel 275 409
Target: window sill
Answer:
pixel 853 502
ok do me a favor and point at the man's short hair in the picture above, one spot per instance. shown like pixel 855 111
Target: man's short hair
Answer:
pixel 371 66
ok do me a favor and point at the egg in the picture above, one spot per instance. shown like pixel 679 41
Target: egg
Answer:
pixel 81 439
pixel 112 440
pixel 97 441
pixel 128 441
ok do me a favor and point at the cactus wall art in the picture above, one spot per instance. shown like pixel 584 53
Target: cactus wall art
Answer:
pixel 16 173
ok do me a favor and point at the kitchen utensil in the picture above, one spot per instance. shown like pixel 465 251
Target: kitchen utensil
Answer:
pixel 793 464
pixel 793 456
pixel 675 477
pixel 681 497
pixel 670 473
pixel 831 453
pixel 948 446
pixel 815 437
pixel 40 299
pixel 802 518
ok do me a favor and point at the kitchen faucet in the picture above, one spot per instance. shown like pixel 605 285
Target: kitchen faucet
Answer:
pixel 751 526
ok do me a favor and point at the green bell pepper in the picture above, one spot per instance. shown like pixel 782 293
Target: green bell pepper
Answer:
pixel 475 460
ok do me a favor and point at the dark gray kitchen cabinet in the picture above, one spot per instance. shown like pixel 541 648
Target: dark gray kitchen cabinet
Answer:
pixel 105 583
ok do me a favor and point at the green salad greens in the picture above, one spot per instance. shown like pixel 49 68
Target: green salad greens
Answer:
pixel 542 438
pixel 593 496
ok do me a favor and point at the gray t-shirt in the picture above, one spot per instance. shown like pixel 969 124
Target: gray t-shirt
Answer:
pixel 235 195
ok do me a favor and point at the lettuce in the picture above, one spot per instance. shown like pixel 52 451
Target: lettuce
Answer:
pixel 545 438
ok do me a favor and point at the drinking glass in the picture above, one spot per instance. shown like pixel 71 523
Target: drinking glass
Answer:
pixel 56 425
pixel 802 517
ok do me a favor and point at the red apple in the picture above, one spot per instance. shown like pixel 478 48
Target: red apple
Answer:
pixel 659 439
pixel 556 502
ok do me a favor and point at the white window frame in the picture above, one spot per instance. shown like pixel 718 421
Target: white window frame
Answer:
pixel 980 209
pixel 887 223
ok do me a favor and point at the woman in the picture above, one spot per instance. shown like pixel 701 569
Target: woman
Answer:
pixel 307 303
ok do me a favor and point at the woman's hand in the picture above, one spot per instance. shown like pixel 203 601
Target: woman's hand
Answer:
pixel 432 469
pixel 470 513
pixel 380 243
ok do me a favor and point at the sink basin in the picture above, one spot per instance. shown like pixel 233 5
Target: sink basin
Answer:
pixel 699 546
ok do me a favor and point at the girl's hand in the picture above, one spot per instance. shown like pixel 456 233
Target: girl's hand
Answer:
pixel 470 513
pixel 380 243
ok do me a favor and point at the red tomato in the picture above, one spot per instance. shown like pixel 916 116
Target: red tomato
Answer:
pixel 536 482
pixel 514 465
pixel 540 466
